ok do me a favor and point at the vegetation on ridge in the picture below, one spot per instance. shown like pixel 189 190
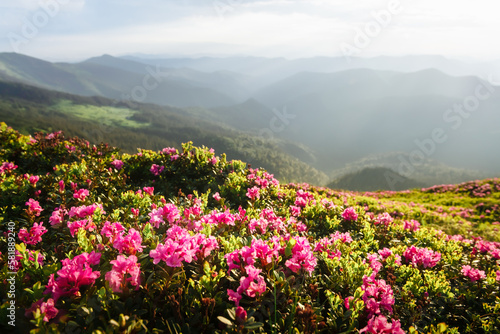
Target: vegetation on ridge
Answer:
pixel 185 241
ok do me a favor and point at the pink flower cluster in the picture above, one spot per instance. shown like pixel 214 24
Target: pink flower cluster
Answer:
pixel 86 224
pixel 129 244
pixel 411 225
pixel 34 207
pixel 118 164
pixel 383 219
pixel 258 252
pixel 47 308
pixel 219 218
pixel 181 247
pixel 168 213
pixel 74 273
pixel 383 254
pixel 424 257
pixel 6 167
pixel 349 214
pixel 156 169
pixel 263 182
pixel 323 244
pixel 380 325
pixel 245 260
pixel 85 211
pixel 149 190
pixel 253 193
pixel 81 194
pixel 295 210
pixel 487 247
pixel 57 217
pixel 251 285
pixel 472 273
pixel 303 198
pixel 112 230
pixel 302 256
pixel 34 179
pixel 34 235
pixel 122 267
pixel 267 221
pixel 169 151
pixel 378 296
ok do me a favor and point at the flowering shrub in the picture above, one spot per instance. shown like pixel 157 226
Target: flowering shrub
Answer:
pixel 184 241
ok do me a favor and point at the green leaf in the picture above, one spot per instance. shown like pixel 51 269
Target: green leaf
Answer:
pixel 225 321
pixel 254 325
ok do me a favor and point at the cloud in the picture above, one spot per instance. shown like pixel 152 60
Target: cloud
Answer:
pixel 286 28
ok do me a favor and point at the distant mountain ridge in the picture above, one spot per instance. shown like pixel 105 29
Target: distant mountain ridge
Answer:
pixel 326 112
pixel 374 178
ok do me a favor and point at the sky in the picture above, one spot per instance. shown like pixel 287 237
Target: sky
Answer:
pixel 74 30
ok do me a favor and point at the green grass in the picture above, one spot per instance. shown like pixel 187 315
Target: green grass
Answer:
pixel 106 115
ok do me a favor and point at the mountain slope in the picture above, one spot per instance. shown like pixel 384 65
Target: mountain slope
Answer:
pixel 374 178
pixel 93 78
pixel 98 119
pixel 359 112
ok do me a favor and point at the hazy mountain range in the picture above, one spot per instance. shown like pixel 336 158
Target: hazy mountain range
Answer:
pixel 427 118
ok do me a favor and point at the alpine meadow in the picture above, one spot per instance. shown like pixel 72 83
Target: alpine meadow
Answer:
pixel 249 166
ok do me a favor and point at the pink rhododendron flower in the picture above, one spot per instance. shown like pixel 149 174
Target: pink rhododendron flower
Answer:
pixel 47 308
pixel 219 218
pixel 74 273
pixel 149 190
pixel 216 196
pixel 253 193
pixel 498 275
pixel 34 207
pixel 378 296
pixel 472 273
pixel 156 170
pixel 181 247
pixel 86 224
pixel 251 285
pixel 380 325
pixel 350 214
pixel 241 315
pixel 61 186
pixel 385 253
pixel 81 194
pixel 84 211
pixel 424 257
pixel 34 236
pixel 303 198
pixel 295 210
pixel 174 157
pixel 383 219
pixel 302 256
pixel 6 167
pixel 234 296
pixel 118 164
pixel 411 225
pixel 168 213
pixel 112 230
pixel 123 267
pixel 34 179
pixel 169 150
pixel 129 244
pixel 376 266
pixel 57 217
